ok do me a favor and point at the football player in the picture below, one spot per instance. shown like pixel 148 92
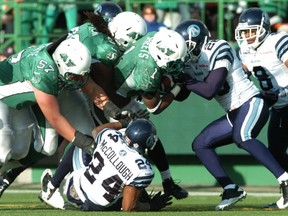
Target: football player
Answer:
pixel 265 55
pixel 118 172
pixel 214 71
pixel 102 48
pixel 157 54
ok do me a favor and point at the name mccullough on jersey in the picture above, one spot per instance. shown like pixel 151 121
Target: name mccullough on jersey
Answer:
pixel 115 160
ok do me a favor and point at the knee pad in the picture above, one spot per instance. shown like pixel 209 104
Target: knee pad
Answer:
pixel 22 142
pixel 46 143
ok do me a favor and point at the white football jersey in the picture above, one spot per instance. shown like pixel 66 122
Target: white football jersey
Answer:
pixel 113 166
pixel 267 64
pixel 237 88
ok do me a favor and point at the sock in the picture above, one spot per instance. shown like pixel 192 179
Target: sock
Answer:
pixel 158 157
pixel 283 177
pixel 64 167
pixel 165 175
pixel 230 186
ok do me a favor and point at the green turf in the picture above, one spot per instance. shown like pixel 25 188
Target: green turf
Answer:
pixel 27 204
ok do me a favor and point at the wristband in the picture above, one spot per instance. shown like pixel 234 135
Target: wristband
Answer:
pixel 155 108
pixel 175 90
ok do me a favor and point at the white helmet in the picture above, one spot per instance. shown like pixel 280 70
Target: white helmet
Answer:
pixel 127 27
pixel 169 50
pixel 73 60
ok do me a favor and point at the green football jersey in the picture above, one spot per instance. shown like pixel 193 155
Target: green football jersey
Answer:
pixel 136 71
pixel 101 47
pixel 33 64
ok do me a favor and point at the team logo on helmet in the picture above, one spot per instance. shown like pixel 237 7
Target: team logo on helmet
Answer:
pixel 134 35
pixel 194 30
pixel 67 60
pixel 166 50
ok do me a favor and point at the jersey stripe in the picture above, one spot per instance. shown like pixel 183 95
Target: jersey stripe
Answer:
pixel 142 181
pixel 281 46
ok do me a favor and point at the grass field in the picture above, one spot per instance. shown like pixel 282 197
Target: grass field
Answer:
pixel 200 202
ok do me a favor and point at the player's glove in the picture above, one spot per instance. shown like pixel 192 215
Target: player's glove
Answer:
pixel 123 116
pixel 85 142
pixel 142 113
pixel 271 96
pixel 159 201
pixel 111 110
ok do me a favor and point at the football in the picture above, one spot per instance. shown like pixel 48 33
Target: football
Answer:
pixel 167 83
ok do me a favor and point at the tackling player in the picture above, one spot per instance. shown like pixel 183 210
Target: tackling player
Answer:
pixel 214 71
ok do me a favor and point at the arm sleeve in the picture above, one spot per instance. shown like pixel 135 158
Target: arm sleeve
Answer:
pixel 211 85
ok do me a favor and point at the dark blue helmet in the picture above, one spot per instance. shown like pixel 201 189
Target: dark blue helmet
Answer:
pixel 108 10
pixel 196 34
pixel 140 135
pixel 253 27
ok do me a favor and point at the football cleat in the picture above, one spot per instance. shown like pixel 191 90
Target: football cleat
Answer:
pixel 282 203
pixel 172 189
pixel 49 194
pixel 273 205
pixel 230 196
pixel 4 184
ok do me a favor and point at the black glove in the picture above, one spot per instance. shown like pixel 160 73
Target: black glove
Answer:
pixel 159 201
pixel 142 113
pixel 125 117
pixel 111 110
pixel 271 96
pixel 85 142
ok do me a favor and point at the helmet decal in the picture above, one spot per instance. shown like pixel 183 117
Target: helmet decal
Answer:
pixel 193 30
pixel 67 60
pixel 166 50
pixel 134 35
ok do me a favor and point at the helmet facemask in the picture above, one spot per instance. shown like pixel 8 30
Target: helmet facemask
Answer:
pixel 252 36
pixel 252 30
pixel 151 142
pixel 72 81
